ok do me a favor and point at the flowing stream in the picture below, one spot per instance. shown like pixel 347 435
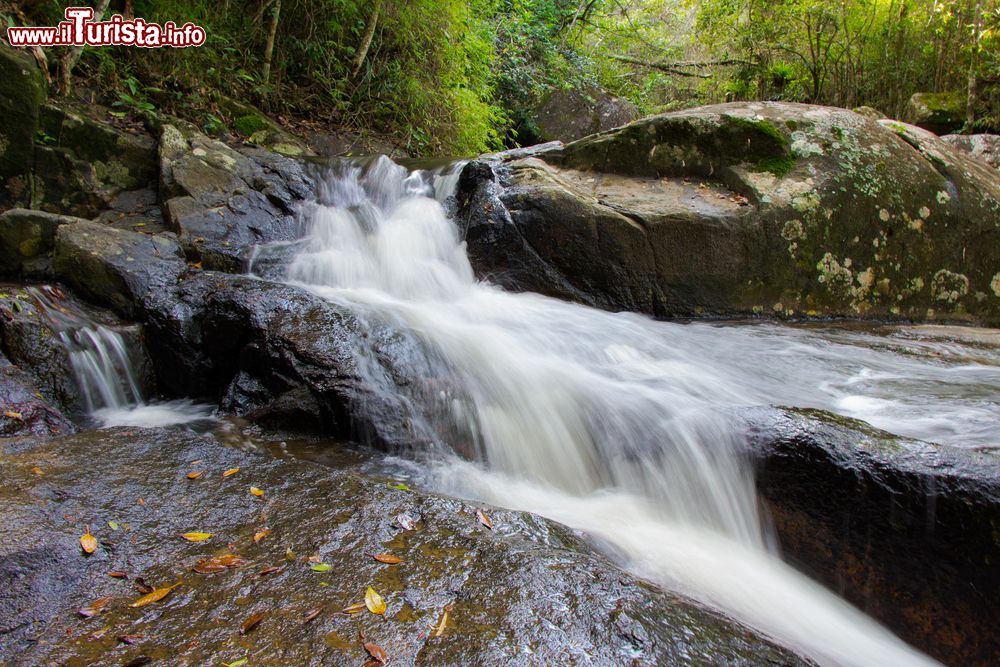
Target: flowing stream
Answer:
pixel 105 371
pixel 619 425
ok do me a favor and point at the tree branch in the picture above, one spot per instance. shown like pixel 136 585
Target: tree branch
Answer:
pixel 677 67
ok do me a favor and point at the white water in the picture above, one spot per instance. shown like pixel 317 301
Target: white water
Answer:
pixel 616 424
pixel 105 372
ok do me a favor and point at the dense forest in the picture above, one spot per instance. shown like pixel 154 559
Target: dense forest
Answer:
pixel 463 76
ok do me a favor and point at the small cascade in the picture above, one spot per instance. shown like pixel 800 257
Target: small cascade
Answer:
pixel 104 369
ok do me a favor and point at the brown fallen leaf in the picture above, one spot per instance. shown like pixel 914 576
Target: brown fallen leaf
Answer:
pixel 388 559
pixel 442 624
pixel 261 534
pixel 231 471
pixel 257 492
pixel 251 622
pixel 483 519
pixel 142 586
pixel 94 608
pixel 131 639
pixel 376 652
pixel 217 564
pixel 195 474
pixel 374 601
pixel 354 608
pixel 36 471
pixel 315 558
pixel 117 574
pixel 196 537
pixel 268 570
pixel 88 542
pixel 155 596
pixel 406 521
pixel 311 614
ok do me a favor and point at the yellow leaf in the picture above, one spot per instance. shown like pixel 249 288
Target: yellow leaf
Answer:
pixel 155 596
pixel 36 470
pixel 195 474
pixel 257 492
pixel 231 471
pixel 14 415
pixel 374 601
pixel 261 534
pixel 88 542
pixel 442 624
pixel 196 537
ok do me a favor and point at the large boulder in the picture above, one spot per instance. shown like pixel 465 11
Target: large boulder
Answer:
pixel 573 113
pixel 526 592
pixel 905 530
pixel 940 113
pixel 116 268
pixel 745 209
pixel 83 162
pixel 222 202
pixel 986 147
pixel 22 93
pixel 281 356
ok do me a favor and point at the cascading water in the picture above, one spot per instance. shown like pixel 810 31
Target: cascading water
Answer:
pixel 105 372
pixel 616 424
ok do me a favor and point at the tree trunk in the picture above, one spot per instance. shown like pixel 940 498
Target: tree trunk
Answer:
pixel 269 45
pixel 72 56
pixel 970 104
pixel 366 40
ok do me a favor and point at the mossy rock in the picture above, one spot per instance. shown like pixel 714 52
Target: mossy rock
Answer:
pixel 940 113
pixel 22 93
pixel 250 124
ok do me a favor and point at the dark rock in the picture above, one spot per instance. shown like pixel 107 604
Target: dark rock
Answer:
pixel 222 202
pixel 134 210
pixel 24 411
pixel 285 357
pixel 905 530
pixel 33 321
pixel 528 590
pixel 22 93
pixel 27 239
pixel 986 147
pixel 570 114
pixel 84 162
pixel 940 113
pixel 745 209
pixel 116 268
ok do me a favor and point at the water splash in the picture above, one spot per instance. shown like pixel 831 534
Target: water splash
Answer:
pixel 613 423
pixel 105 371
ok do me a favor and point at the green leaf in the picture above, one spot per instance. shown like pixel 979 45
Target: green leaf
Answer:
pixel 320 567
pixel 399 486
pixel 238 663
pixel 113 525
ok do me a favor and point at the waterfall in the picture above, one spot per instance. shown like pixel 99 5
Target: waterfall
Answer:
pixel 613 424
pixel 105 371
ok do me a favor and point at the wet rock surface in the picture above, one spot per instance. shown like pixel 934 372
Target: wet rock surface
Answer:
pixel 903 529
pixel 27 239
pixel 283 356
pixel 23 409
pixel 527 592
pixel 116 268
pixel 221 202
pixel 835 214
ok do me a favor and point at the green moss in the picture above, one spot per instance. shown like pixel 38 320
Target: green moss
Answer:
pixel 779 166
pixel 792 125
pixel 761 126
pixel 250 123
